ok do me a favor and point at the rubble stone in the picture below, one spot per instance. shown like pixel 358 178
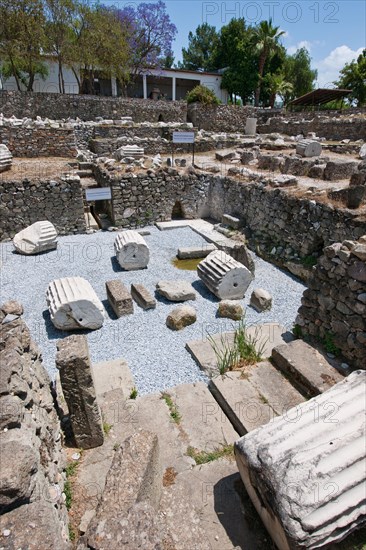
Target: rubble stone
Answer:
pixel 181 317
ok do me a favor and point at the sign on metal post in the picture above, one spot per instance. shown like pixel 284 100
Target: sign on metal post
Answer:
pixel 184 137
pixel 98 194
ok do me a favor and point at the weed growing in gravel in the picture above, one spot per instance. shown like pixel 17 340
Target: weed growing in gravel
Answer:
pixel 106 428
pixel 202 457
pixel 133 393
pixel 174 413
pixel 245 350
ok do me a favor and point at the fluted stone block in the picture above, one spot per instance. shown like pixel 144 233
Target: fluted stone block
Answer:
pixel 78 388
pixel 36 238
pixel 6 158
pixel 73 304
pixel 224 276
pixel 309 148
pixel 305 471
pixel 131 250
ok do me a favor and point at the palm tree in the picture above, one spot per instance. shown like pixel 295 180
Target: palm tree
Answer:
pixel 267 40
pixel 276 85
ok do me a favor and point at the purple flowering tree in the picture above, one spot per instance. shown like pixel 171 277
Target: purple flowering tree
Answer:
pixel 150 34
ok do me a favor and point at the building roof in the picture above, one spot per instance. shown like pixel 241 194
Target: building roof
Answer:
pixel 320 96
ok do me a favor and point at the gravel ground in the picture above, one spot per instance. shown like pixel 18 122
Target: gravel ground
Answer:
pixel 156 355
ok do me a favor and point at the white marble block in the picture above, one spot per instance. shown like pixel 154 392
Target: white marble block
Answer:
pixel 36 238
pixel 73 304
pixel 6 158
pixel 309 148
pixel 224 276
pixel 131 250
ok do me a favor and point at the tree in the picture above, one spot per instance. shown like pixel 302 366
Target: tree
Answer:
pixel 60 14
pixel 234 53
pixel 22 40
pixel 276 84
pixel 266 39
pixel 99 44
pixel 353 77
pixel 149 33
pixel 298 71
pixel 201 49
pixel 202 94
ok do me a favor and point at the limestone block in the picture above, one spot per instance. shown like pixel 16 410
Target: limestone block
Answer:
pixel 261 300
pixel 231 309
pixel 73 304
pixel 309 148
pixel 231 221
pixel 73 362
pixel 129 151
pixel 181 317
pixel 224 276
pixel 142 296
pixel 305 472
pixel 251 127
pixel 6 158
pixel 193 252
pixel 119 297
pixel 131 250
pixel 176 291
pixel 36 238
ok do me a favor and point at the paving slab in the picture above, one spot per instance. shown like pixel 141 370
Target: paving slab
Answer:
pixel 269 335
pixel 174 224
pixel 112 375
pixel 205 426
pixel 308 370
pixel 215 493
pixel 242 403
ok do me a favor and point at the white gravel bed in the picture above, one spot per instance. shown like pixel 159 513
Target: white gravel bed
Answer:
pixel 156 355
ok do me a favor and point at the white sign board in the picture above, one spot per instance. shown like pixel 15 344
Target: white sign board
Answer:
pixel 183 137
pixel 98 194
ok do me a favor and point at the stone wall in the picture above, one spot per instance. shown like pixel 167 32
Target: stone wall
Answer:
pixel 39 142
pixel 25 202
pixel 141 200
pixel 327 126
pixel 334 306
pixel 219 118
pixel 85 107
pixel 284 228
pixel 32 506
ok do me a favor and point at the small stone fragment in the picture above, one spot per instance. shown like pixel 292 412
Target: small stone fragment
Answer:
pixel 181 317
pixel 261 300
pixel 231 309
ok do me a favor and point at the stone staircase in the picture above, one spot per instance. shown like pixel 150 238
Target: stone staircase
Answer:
pixel 203 503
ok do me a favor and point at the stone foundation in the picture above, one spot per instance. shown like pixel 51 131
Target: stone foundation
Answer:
pixel 25 202
pixel 334 306
pixel 32 460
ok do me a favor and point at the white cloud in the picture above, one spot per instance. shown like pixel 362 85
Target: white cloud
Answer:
pixel 302 44
pixel 329 67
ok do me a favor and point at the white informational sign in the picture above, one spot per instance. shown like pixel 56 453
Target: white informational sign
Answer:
pixel 98 194
pixel 183 137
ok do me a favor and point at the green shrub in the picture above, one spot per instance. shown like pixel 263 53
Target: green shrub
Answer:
pixel 201 94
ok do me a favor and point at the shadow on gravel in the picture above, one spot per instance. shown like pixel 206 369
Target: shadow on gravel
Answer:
pixel 204 292
pixel 110 312
pixel 54 333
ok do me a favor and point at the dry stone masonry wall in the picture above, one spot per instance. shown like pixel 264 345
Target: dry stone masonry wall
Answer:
pixel 334 306
pixel 39 142
pixel 28 201
pixel 31 481
pixel 85 107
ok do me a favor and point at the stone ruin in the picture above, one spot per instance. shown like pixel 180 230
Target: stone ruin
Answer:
pixel 73 304
pixel 6 158
pixel 224 277
pixel 131 250
pixel 38 237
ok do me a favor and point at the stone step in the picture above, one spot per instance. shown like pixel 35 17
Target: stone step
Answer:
pixel 84 173
pixel 268 335
pixel 208 507
pixel 306 368
pixel 203 423
pixel 253 396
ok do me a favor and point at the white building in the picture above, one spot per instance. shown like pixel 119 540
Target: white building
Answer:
pixel 172 84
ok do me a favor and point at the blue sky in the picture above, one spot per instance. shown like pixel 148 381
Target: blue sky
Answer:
pixel 333 31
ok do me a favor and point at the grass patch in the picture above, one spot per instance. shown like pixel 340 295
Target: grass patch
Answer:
pixel 68 494
pixel 133 393
pixel 107 428
pixel 309 261
pixel 173 409
pixel 329 345
pixel 297 331
pixel 244 351
pixel 203 457
pixel 72 535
